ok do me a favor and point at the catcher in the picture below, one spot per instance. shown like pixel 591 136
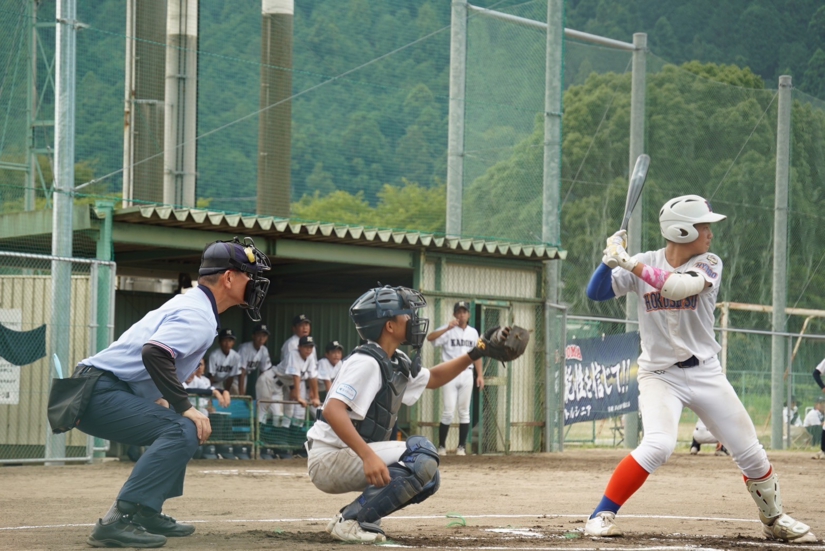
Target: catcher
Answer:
pixel 349 447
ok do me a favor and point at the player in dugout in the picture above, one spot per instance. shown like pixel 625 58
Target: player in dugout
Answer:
pixel 678 367
pixel 140 375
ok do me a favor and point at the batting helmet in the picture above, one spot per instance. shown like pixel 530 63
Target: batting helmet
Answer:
pixel 377 306
pixel 679 215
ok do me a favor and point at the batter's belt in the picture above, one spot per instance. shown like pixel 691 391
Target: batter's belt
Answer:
pixel 693 361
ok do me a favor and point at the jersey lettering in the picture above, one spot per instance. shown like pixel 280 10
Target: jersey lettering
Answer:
pixel 707 269
pixel 462 342
pixel 655 301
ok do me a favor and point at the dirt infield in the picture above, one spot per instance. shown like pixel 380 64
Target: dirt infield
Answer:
pixel 516 502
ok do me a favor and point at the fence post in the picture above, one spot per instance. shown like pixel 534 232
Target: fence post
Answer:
pixel 455 130
pixel 780 251
pixel 634 230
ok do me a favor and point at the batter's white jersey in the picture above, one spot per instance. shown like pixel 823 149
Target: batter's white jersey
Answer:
pixel 223 366
pixel 252 359
pixel 673 330
pixel 456 341
pixel 357 385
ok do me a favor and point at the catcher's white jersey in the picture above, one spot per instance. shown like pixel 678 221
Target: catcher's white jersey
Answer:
pixel 673 330
pixel 456 341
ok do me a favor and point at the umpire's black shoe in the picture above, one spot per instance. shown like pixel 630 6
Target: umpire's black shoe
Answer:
pixel 158 523
pixel 123 533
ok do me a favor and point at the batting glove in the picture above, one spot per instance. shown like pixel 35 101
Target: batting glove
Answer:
pixel 618 255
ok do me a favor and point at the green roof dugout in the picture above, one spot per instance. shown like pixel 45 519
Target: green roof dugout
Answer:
pixel 319 270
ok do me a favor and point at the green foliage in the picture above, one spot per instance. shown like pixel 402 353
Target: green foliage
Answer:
pixel 408 206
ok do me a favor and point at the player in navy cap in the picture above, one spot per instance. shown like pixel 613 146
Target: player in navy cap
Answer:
pixel 139 398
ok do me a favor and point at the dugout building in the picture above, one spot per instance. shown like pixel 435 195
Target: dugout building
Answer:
pixel 318 270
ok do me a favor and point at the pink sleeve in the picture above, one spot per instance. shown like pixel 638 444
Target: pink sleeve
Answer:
pixel 655 277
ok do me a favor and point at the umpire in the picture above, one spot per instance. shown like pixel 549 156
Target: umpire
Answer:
pixel 139 376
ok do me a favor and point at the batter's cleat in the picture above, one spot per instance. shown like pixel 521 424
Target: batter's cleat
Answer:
pixel 460 451
pixel 123 533
pixel 442 451
pixel 350 530
pixel 164 525
pixel 818 455
pixel 785 528
pixel 603 525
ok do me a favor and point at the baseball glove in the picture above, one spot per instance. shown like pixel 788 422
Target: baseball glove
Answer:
pixel 504 344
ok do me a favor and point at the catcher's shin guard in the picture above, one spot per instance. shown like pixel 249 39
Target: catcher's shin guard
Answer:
pixel 414 478
pixel 776 524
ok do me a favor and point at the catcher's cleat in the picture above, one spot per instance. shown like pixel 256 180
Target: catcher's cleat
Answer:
pixel 350 530
pixel 123 533
pixel 603 525
pixel 785 528
pixel 158 523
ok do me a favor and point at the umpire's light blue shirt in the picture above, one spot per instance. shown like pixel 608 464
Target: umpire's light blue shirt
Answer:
pixel 185 327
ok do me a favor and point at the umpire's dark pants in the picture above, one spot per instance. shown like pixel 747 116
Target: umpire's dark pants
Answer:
pixel 115 413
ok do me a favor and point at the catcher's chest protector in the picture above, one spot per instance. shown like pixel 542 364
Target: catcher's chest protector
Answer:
pixel 382 413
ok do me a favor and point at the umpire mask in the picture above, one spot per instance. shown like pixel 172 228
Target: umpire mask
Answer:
pixel 243 257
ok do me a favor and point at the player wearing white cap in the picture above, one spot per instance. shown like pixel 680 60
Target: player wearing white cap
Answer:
pixel 677 288
pixel 139 376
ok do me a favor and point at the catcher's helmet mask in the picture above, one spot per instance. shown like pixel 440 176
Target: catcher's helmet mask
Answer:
pixel 377 306
pixel 245 257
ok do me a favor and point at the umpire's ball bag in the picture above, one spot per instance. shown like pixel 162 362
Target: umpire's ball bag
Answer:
pixel 68 398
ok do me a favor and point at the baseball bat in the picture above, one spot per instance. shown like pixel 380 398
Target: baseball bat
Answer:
pixel 634 190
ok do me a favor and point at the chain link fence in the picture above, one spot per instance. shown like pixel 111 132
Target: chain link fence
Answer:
pixel 34 329
pixel 745 358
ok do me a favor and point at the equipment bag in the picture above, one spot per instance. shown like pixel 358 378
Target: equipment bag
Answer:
pixel 68 398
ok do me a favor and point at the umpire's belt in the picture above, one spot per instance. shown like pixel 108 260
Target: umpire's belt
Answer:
pixel 693 361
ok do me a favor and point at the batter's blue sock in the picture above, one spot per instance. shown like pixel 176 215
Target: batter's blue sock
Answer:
pixel 606 504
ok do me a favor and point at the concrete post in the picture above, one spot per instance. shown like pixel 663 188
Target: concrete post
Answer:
pixel 779 356
pixel 181 108
pixel 275 123
pixel 455 131
pixel 551 225
pixel 62 229
pixel 634 229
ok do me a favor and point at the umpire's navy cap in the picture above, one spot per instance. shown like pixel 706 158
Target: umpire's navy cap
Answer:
pixel 300 318
pixel 225 255
pixel 461 304
pixel 226 334
pixel 334 345
pixel 260 328
pixel 306 341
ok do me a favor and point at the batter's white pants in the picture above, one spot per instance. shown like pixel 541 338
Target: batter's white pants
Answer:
pixel 705 390
pixel 267 388
pixel 457 393
pixel 340 470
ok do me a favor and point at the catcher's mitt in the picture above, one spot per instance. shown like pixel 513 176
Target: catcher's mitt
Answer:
pixel 504 344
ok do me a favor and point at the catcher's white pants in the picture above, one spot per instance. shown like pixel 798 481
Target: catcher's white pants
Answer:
pixel 267 388
pixel 457 393
pixel 340 470
pixel 705 390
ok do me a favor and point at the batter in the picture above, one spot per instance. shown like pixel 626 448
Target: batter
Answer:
pixel 677 288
